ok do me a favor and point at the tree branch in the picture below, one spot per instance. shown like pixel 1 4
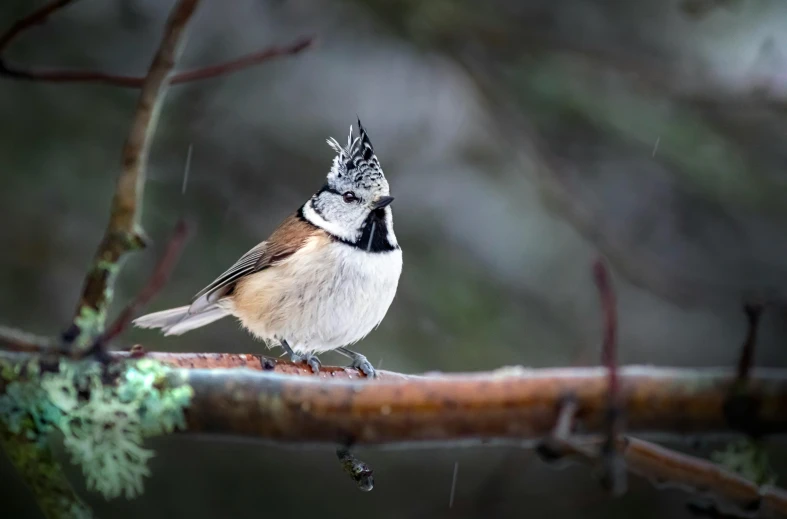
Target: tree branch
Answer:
pixel 37 17
pixel 275 400
pixel 614 473
pixel 511 404
pixel 124 81
pixel 43 474
pixel 123 233
pixel 717 489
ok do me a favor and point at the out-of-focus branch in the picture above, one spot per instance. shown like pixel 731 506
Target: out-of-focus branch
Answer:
pixel 161 273
pixel 12 339
pixel 37 17
pixel 119 80
pixel 719 490
pixel 729 493
pixel 614 474
pixel 123 233
pixel 43 474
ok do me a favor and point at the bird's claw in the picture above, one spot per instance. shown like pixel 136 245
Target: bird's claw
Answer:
pixel 361 363
pixel 308 359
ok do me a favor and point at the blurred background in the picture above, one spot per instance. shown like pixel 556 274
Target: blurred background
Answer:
pixel 520 139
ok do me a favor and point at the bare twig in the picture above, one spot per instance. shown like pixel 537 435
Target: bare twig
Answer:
pixel 37 17
pixel 119 80
pixel 721 493
pixel 753 314
pixel 12 339
pixel 613 473
pixel 730 493
pixel 123 233
pixel 154 285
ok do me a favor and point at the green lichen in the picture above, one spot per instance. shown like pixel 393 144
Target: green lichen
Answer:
pixel 749 459
pixel 90 323
pixel 103 424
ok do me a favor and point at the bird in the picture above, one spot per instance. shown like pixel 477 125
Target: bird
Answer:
pixel 323 280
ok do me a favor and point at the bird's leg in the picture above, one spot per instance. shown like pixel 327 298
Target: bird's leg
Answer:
pixel 307 358
pixel 753 314
pixel 359 361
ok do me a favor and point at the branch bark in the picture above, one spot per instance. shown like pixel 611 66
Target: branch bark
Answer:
pixel 339 405
pixel 123 233
pixel 252 396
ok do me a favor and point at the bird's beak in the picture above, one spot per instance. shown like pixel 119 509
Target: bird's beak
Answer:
pixel 383 201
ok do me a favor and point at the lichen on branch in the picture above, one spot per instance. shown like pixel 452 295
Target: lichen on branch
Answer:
pixel 103 412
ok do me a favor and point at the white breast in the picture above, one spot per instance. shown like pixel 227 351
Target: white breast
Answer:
pixel 326 295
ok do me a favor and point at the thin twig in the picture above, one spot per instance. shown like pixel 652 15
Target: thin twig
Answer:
pixel 614 473
pixel 722 493
pixel 120 80
pixel 12 339
pixel 731 494
pixel 160 276
pixel 753 315
pixel 37 17
pixel 123 233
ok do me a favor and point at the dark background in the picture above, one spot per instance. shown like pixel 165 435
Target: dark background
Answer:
pixel 520 140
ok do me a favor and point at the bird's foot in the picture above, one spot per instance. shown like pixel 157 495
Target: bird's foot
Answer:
pixel 360 362
pixel 307 358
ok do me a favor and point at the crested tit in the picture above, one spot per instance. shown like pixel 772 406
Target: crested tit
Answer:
pixel 323 279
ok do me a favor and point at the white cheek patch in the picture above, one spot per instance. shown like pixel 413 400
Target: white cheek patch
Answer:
pixel 331 227
pixel 389 227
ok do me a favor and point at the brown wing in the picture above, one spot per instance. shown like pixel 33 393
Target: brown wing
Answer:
pixel 285 240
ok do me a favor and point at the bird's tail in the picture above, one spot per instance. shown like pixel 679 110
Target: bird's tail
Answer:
pixel 177 321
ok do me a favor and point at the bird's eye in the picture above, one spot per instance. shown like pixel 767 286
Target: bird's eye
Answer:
pixel 349 197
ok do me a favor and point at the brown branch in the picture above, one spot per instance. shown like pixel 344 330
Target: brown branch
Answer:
pixel 119 80
pixel 123 233
pixel 37 17
pixel 276 400
pixel 725 493
pixel 12 339
pixel 614 474
pixel 511 404
pixel 160 276
pixel 753 315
